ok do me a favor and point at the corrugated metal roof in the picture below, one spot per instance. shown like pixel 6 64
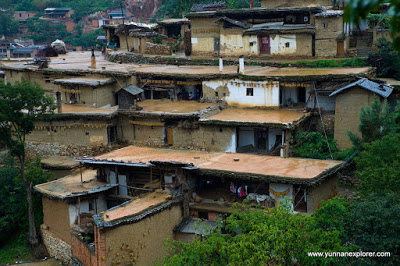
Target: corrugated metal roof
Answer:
pixel 380 89
pixel 196 226
pixel 132 89
pixel 234 22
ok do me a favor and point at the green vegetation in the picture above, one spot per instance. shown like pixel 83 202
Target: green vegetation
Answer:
pixel 8 26
pixel 175 8
pixel 385 59
pixel 46 31
pixel 357 10
pixel 276 237
pixel 379 166
pixel 85 39
pixel 326 63
pixel 81 8
pixel 21 104
pixel 376 121
pixel 15 249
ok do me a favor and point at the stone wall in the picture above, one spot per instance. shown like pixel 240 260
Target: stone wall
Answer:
pixel 56 247
pixel 157 49
pixel 50 149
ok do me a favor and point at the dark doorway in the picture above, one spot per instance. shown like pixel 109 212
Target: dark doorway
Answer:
pixel 216 44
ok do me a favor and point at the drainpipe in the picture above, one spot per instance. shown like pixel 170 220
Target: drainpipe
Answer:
pixel 93 61
pixel 221 64
pixel 241 64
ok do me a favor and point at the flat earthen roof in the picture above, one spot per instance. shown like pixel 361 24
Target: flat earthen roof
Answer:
pixel 137 206
pixel 291 168
pixel 285 117
pixel 168 106
pixel 81 61
pixel 86 109
pixel 71 186
pixel 91 82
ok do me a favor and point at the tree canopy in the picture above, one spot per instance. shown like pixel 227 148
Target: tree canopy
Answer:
pixel 357 10
pixel 278 237
pixel 21 104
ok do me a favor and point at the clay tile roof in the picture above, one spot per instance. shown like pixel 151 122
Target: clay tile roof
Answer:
pixel 234 22
pixel 364 83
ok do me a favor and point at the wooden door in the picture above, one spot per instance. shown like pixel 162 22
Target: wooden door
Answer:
pixel 265 46
pixel 340 48
pixel 169 136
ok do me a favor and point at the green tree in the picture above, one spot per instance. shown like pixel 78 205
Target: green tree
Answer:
pixel 376 121
pixel 379 166
pixel 357 10
pixel 313 145
pixel 385 59
pixel 255 237
pixel 374 226
pixel 8 26
pixel 21 104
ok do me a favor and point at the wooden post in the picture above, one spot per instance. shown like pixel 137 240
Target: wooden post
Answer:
pixel 79 211
pixel 80 167
pixel 116 178
pixel 151 174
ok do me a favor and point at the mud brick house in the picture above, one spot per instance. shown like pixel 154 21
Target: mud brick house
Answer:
pixel 136 34
pixel 283 32
pixel 75 130
pixel 349 100
pixel 87 91
pixel 139 196
pixel 172 28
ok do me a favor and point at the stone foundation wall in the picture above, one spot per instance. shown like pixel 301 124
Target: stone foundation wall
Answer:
pixel 50 149
pixel 56 247
pixel 157 49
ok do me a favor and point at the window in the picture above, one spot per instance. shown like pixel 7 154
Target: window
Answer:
pixel 325 25
pixel 249 92
pixel 216 94
pixel 305 19
pixel 20 14
pixel 287 45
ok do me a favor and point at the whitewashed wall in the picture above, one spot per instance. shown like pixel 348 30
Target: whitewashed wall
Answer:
pixel 280 188
pixel 265 93
pixel 278 44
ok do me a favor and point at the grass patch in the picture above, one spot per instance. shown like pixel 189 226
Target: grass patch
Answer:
pixel 16 250
pixel 347 62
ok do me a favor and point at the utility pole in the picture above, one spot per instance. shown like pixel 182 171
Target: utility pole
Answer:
pixel 125 28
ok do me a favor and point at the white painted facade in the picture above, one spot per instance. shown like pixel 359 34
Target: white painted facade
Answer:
pixel 264 93
pixel 232 145
pixel 280 188
pixel 283 44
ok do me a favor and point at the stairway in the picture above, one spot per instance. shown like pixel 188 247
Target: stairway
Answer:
pixel 363 48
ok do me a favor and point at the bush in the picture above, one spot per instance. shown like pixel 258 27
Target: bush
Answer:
pixel 313 145
pixel 385 59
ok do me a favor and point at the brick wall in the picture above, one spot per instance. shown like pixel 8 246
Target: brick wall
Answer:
pixel 82 252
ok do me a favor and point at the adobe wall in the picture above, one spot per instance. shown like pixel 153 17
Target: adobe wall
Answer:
pixel 144 239
pixel 234 43
pixel 56 219
pixel 326 38
pixel 56 247
pixel 294 3
pixel 203 32
pixel 67 132
pixel 324 191
pixel 347 113
pixel 202 137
